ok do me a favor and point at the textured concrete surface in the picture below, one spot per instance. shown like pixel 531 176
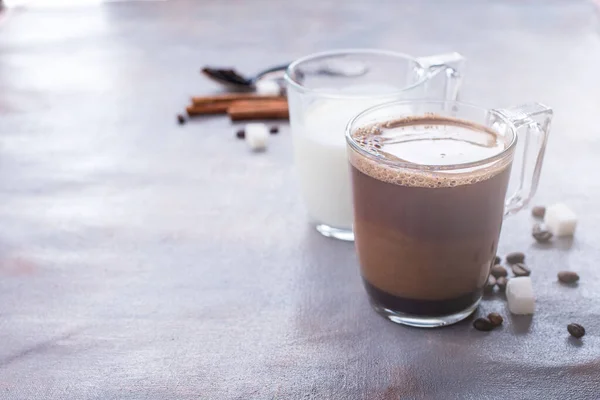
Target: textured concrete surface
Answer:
pixel 144 260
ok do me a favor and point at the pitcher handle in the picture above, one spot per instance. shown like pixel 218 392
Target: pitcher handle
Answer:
pixel 531 124
pixel 450 66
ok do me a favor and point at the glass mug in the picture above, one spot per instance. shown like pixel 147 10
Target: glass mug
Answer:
pixel 325 91
pixel 429 183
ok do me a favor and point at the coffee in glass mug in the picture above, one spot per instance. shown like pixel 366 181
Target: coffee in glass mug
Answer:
pixel 429 183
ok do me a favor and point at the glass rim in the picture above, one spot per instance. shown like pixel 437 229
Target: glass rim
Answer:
pixel 324 54
pixel 430 167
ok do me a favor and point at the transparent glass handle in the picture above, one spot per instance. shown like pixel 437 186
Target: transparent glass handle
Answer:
pixel 531 124
pixel 450 67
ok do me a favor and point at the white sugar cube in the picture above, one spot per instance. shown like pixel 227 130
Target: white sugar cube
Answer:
pixel 560 220
pixel 268 88
pixel 519 294
pixel 257 135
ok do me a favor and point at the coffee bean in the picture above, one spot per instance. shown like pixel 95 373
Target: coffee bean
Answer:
pixel 490 284
pixel 516 257
pixel 498 270
pixel 541 234
pixel 497 260
pixel 483 324
pixel 568 276
pixel 240 134
pixel 576 330
pixel 538 211
pixel 521 270
pixel 180 119
pixel 495 318
pixel 502 282
pixel 274 130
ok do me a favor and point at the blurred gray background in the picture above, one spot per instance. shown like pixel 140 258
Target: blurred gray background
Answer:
pixel 144 260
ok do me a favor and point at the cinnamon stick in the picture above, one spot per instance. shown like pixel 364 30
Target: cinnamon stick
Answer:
pixel 253 109
pixel 228 98
pixel 207 109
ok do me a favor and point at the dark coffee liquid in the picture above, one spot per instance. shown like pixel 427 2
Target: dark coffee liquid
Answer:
pixel 426 241
pixel 431 308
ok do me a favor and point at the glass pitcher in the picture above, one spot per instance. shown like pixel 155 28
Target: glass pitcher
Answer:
pixel 325 90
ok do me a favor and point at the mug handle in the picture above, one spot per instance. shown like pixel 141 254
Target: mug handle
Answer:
pixel 531 124
pixel 450 66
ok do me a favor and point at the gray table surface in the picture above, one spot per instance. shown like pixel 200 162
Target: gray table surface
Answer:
pixel 144 260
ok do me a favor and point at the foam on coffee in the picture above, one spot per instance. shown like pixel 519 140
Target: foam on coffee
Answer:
pixel 428 140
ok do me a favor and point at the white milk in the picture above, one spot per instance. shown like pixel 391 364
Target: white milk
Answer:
pixel 321 160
